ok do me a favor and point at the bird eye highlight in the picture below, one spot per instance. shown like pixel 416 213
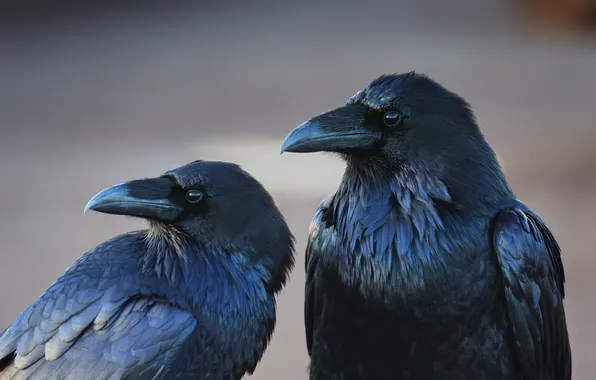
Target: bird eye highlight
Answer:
pixel 194 196
pixel 391 119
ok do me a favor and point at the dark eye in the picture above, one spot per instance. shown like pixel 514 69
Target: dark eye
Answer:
pixel 392 119
pixel 194 196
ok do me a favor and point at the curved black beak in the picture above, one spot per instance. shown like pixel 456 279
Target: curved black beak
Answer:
pixel 146 198
pixel 339 130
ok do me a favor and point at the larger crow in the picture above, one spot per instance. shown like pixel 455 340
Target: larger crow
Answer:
pixel 192 297
pixel 423 264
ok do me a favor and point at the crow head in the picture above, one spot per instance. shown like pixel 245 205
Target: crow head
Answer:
pixel 214 203
pixel 406 123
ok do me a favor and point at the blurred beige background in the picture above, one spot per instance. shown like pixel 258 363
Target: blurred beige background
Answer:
pixel 96 96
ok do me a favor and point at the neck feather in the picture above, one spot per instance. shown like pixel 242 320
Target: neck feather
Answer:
pixel 394 228
pixel 411 202
pixel 188 263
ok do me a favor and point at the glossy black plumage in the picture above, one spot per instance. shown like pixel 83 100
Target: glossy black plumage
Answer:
pixel 423 264
pixel 192 297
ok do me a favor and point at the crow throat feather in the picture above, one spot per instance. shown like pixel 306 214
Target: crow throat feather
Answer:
pixel 170 253
pixel 166 247
pixel 393 232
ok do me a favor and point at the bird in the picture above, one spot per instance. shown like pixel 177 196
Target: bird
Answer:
pixel 424 264
pixel 191 297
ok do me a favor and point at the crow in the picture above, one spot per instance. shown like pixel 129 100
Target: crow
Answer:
pixel 192 297
pixel 423 264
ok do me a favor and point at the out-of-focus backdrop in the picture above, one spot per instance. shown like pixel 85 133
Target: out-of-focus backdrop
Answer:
pixel 94 95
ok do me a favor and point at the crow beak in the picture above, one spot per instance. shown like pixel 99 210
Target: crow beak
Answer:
pixel 339 130
pixel 146 198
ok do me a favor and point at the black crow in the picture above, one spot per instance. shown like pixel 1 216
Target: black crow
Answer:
pixel 192 297
pixel 423 264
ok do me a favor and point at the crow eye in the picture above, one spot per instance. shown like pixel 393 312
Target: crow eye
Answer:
pixel 392 119
pixel 194 196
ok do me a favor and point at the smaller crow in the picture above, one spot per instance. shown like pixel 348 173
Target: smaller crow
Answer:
pixel 192 297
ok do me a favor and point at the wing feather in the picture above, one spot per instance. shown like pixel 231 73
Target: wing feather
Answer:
pixel 93 323
pixel 312 301
pixel 533 280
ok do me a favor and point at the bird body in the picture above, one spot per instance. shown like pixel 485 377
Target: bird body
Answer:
pixel 423 264
pixel 159 303
pixel 414 303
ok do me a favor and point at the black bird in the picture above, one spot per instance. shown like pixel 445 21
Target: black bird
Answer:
pixel 192 297
pixel 423 264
